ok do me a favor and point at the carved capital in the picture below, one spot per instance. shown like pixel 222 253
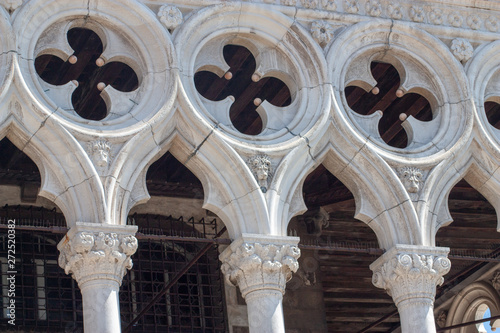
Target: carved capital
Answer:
pixel 90 251
pixel 411 273
pixel 258 262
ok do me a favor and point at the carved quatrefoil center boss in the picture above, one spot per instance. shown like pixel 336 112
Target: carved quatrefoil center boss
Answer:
pixel 383 109
pixel 84 81
pixel 244 95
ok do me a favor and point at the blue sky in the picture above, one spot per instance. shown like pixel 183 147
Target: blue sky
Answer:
pixel 487 314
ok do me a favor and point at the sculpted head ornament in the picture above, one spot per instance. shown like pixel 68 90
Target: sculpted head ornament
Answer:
pixel 411 178
pixel 262 169
pixel 316 220
pixel 100 152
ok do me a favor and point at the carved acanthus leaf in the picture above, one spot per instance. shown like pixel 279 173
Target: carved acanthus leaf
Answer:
pixel 93 255
pixel 254 266
pixel 408 276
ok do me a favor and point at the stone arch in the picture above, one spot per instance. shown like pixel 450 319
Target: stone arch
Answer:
pixel 66 172
pixel 467 302
pixel 483 71
pixel 381 200
pixel 223 174
pixel 478 167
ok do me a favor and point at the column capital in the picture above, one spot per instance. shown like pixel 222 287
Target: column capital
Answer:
pixel 410 273
pixel 260 262
pixel 92 251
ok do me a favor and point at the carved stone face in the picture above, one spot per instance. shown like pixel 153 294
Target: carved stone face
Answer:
pixel 101 153
pixel 411 178
pixel 316 220
pixel 261 167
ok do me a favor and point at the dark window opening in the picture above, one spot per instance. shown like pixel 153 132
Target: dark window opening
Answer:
pixel 243 112
pixel 88 48
pixel 392 106
pixel 493 113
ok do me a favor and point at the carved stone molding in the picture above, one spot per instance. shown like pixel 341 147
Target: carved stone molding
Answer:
pixel 11 5
pixel 260 262
pixel 410 273
pixel 90 251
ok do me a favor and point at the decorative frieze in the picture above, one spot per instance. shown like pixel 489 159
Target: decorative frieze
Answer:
pixel 258 262
pixel 90 251
pixel 411 273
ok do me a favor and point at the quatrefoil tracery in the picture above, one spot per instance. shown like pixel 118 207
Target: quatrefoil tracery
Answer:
pixel 386 112
pixel 258 100
pixel 84 75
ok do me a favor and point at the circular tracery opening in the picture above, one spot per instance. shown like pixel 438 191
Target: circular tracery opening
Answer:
pixel 246 87
pixel 395 105
pixel 493 113
pixel 89 70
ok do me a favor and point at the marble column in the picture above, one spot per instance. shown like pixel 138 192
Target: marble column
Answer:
pixel 410 274
pixel 97 256
pixel 260 266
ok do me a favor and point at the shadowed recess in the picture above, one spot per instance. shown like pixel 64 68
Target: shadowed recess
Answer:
pixel 86 99
pixel 493 113
pixel 351 300
pixel 366 103
pixel 243 112
pixel 169 177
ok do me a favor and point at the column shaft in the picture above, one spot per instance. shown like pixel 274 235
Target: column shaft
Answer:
pixel 98 257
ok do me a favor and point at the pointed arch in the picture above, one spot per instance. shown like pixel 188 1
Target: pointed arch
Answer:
pixel 67 176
